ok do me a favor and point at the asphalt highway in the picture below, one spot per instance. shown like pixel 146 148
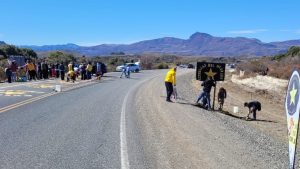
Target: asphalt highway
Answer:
pixel 79 128
pixel 121 123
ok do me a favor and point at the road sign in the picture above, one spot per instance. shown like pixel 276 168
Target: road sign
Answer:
pixel 214 70
pixel 292 106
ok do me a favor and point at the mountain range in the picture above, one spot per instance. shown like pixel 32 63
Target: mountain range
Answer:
pixel 197 44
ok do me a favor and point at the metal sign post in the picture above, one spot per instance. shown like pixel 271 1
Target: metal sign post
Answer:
pixel 214 96
pixel 292 106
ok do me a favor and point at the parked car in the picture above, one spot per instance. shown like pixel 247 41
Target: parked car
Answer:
pixel 103 68
pixel 132 67
pixel 190 66
pixel 183 66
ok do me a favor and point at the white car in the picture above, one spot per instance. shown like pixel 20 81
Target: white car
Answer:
pixel 132 67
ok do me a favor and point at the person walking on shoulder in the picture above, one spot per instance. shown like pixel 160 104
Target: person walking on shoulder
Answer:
pixel 170 81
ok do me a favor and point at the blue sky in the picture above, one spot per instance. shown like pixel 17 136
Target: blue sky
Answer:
pixel 91 22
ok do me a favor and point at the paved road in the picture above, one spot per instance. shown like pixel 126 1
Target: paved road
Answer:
pixel 127 124
pixel 14 93
pixel 74 129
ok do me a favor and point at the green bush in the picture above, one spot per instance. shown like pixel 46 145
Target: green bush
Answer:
pixel 294 51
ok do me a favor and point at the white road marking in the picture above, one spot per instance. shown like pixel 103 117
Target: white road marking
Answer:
pixel 123 142
pixel 25 83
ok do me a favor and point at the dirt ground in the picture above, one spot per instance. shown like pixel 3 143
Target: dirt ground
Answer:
pixel 182 135
pixel 269 91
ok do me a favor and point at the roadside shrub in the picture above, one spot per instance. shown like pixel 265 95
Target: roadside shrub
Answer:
pixel 3 65
pixel 2 74
pixel 253 67
pixel 147 62
pixel 293 51
pixel 161 66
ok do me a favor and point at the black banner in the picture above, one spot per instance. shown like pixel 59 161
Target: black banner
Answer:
pixel 214 70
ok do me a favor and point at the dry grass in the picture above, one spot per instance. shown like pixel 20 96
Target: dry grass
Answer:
pixel 267 66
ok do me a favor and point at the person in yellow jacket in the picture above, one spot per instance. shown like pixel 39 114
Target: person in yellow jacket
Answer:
pixel 71 76
pixel 170 81
pixel 89 69
pixel 31 70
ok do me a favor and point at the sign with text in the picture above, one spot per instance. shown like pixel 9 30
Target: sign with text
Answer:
pixel 292 106
pixel 214 70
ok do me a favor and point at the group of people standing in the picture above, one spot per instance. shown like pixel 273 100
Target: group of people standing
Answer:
pixel 32 71
pixel 204 96
pixel 43 70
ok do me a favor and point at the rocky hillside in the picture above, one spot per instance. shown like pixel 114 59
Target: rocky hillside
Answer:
pixel 196 44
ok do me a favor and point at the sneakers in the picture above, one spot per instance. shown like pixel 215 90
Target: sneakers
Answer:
pixel 170 101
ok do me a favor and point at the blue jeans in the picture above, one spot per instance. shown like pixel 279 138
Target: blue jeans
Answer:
pixel 206 96
pixel 14 76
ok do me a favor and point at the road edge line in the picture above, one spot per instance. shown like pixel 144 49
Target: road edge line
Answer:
pixel 123 139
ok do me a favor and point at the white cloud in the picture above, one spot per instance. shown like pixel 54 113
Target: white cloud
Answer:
pixel 250 31
pixel 296 31
pixel 285 30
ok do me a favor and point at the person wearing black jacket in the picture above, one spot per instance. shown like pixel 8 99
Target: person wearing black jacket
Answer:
pixel 253 107
pixel 205 94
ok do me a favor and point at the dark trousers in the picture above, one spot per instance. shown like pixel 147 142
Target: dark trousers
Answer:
pixel 32 74
pixel 83 75
pixel 9 79
pixel 62 75
pixel 254 113
pixel 89 74
pixel 169 87
pixel 45 74
pixel 40 74
pixel 57 73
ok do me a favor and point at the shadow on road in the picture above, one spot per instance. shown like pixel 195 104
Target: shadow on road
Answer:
pixel 227 113
pixel 244 118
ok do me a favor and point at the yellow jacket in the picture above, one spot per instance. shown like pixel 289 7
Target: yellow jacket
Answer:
pixel 30 66
pixel 89 67
pixel 70 67
pixel 171 76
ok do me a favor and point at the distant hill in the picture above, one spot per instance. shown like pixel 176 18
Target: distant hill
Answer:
pixel 2 43
pixel 197 44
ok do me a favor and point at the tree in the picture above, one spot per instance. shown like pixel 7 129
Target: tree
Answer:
pixel 8 50
pixel 58 57
pixel 28 53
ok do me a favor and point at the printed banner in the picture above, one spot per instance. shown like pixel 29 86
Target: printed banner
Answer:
pixel 214 70
pixel 292 105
